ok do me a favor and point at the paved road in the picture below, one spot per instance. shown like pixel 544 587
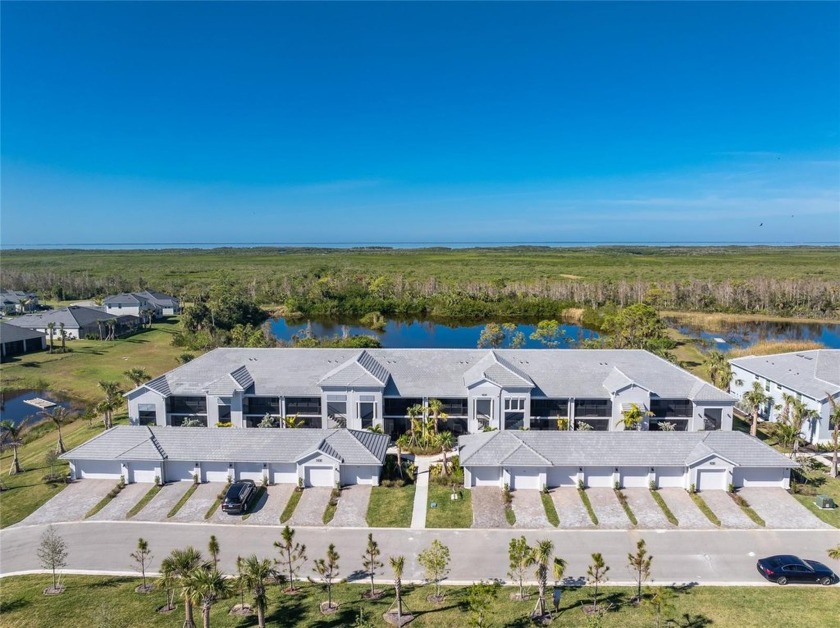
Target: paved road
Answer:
pixel 680 556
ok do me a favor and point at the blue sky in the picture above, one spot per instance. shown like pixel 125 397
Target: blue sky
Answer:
pixel 441 122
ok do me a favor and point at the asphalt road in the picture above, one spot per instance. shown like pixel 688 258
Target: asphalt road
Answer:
pixel 680 556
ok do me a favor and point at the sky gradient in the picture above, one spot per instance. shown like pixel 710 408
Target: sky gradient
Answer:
pixel 384 122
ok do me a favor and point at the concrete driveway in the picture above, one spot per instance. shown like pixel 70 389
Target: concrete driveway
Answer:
pixel 685 510
pixel 72 503
pixel 647 511
pixel 268 511
pixel 607 508
pixel 780 510
pixel 488 508
pixel 570 509
pixel 311 507
pixel 196 507
pixel 163 502
pixel 529 510
pixel 729 513
pixel 118 508
pixel 351 511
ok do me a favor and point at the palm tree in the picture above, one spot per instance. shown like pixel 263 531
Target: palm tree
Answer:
pixel 292 421
pixel 754 400
pixel 414 412
pixel 398 565
pixel 177 567
pixel 834 553
pixel 213 548
pixel 59 416
pixel 113 400
pixel 446 442
pixel 436 410
pixel 205 587
pixel 63 335
pixel 542 557
pixel 11 435
pixel 51 330
pixel 137 376
pixel 255 574
pixel 834 417
pixel 403 443
pixel 720 371
pixel 632 419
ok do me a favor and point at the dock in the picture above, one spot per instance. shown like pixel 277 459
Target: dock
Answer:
pixel 41 404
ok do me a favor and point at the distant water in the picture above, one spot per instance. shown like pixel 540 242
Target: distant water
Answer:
pixel 741 335
pixel 13 405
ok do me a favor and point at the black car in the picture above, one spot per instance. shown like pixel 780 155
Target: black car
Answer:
pixel 238 496
pixel 783 569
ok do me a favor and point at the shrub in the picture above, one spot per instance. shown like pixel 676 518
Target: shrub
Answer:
pixel 652 485
pixel 581 485
pixel 692 489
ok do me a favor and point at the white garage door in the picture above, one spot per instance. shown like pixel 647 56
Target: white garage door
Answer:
pixel 215 471
pixel 670 477
pixel 284 474
pixel 357 474
pixel 179 471
pixel 634 477
pixel 562 476
pixel 319 476
pixel 758 477
pixel 250 471
pixel 485 476
pixel 144 472
pixel 599 477
pixel 98 469
pixel 524 478
pixel 711 480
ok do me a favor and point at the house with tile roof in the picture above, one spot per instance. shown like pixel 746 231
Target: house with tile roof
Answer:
pixel 142 304
pixel 17 301
pixel 17 341
pixel 79 322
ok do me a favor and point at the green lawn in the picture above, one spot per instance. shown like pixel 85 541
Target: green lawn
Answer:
pixel 289 510
pixel 391 507
pixel 550 510
pixel 820 483
pixel 704 508
pixel 142 503
pixel 110 601
pixel 449 513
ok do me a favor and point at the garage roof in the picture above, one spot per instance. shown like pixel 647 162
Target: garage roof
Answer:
pixel 813 373
pixel 622 448
pixel 210 444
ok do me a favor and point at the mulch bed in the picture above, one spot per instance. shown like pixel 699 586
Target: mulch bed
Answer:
pixel 327 608
pixel 144 588
pixel 166 610
pixel 391 619
pixel 377 594
pixel 242 610
pixel 54 590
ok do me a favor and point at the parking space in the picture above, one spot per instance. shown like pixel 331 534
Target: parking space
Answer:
pixel 163 502
pixel 570 509
pixel 729 513
pixel 488 508
pixel 196 506
pixel 268 510
pixel 780 510
pixel 117 508
pixel 311 507
pixel 351 511
pixel 685 510
pixel 608 509
pixel 72 503
pixel 529 510
pixel 648 513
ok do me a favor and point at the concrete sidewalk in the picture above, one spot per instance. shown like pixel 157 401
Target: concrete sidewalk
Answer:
pixel 421 492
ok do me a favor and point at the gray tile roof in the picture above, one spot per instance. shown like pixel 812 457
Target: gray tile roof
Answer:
pixel 555 373
pixel 126 298
pixel 158 298
pixel 13 333
pixel 641 449
pixel 812 373
pixel 73 317
pixel 212 444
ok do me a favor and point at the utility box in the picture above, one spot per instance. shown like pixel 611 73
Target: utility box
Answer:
pixel 824 501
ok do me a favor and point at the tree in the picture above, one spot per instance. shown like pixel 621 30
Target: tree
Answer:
pixel 596 575
pixel 637 326
pixel 63 335
pixel 435 561
pixel 371 562
pixel 213 548
pixel 397 566
pixel 754 400
pixel 834 424
pixel 113 401
pixel 191 421
pixel 52 554
pixel 58 416
pixel 111 324
pixel 542 558
pixel 720 371
pixel 11 435
pixel 660 602
pixel 436 410
pixel 640 566
pixel 204 587
pixel 255 574
pixel 137 376
pixel 327 570
pixel 292 421
pixel 550 334
pixel 175 569
pixel 495 336
pixel 480 596
pixel 292 555
pixel 521 557
pixel 142 555
pixel 834 553
pixel 267 421
pixel 633 417
pixel 403 443
pixel 51 330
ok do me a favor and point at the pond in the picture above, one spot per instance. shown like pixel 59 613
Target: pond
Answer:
pixel 13 404
pixel 417 334
pixel 740 335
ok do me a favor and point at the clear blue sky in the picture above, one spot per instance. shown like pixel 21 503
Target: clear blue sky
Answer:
pixel 386 122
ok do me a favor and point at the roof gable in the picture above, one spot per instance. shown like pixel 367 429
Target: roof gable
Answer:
pixel 362 370
pixel 500 372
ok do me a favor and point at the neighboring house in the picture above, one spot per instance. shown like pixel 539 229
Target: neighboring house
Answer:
pixel 17 301
pixel 496 389
pixel 312 457
pixel 142 304
pixel 811 376
pixel 709 461
pixel 79 322
pixel 18 340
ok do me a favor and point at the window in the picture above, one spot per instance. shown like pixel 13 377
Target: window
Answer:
pixel 303 405
pixel 514 420
pixel 147 414
pixel 680 425
pixel 593 408
pixel 767 387
pixel 596 425
pixel 187 405
pixel 712 419
pixel 484 411
pixel 367 412
pixel 549 408
pixel 666 408
pixel 455 407
pixel 398 406
pixel 262 405
pixel 224 413
pixel 337 409
pixel 515 403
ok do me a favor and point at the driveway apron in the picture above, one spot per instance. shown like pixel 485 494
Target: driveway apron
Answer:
pixel 311 507
pixel 488 508
pixel 647 511
pixel 529 510
pixel 780 510
pixel 118 507
pixel 570 509
pixel 729 513
pixel 685 510
pixel 72 503
pixel 199 502
pixel 268 511
pixel 163 502
pixel 608 509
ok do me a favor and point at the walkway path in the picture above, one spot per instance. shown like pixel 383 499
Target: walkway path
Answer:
pixel 421 491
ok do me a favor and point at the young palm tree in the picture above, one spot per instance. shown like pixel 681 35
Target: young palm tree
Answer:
pixel 113 400
pixel 204 587
pixel 51 330
pixel 754 400
pixel 446 442
pixel 403 443
pixel 177 567
pixel 213 548
pixel 436 410
pixel 59 416
pixel 542 557
pixel 137 376
pixel 11 434
pixel 414 412
pixel 398 565
pixel 720 371
pixel 292 421
pixel 632 419
pixel 62 333
pixel 255 574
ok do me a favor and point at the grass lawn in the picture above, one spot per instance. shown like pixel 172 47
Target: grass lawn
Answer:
pixel 109 601
pixel 105 500
pixel 391 507
pixel 704 508
pixel 142 503
pixel 588 505
pixel 550 510
pixel 820 483
pixel 174 510
pixel 664 507
pixel 448 513
pixel 289 510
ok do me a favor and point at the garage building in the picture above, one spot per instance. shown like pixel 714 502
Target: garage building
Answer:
pixel 279 456
pixel 707 460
